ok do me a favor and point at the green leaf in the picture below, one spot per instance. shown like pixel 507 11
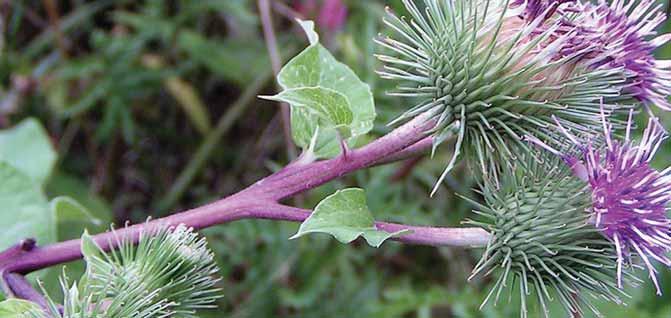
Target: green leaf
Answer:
pixel 346 216
pixel 316 69
pixel 71 218
pixel 330 107
pixel 309 28
pixel 64 185
pixel 17 308
pixel 28 148
pixel 25 209
pixel 67 209
pixel 90 250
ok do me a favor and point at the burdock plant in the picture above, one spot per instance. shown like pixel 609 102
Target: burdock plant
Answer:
pixel 169 274
pixel 491 71
pixel 542 242
pixel 489 75
pixel 629 198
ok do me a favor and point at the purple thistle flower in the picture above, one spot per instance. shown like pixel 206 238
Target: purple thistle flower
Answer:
pixel 535 8
pixel 617 35
pixel 629 197
pixel 622 35
pixel 574 40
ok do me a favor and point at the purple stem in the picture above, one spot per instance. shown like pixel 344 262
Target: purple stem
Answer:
pixel 222 212
pixel 10 253
pixel 419 148
pixel 417 235
pixel 16 285
pixel 260 201
pixel 298 178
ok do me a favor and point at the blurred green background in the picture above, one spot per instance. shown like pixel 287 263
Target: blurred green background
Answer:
pixel 152 109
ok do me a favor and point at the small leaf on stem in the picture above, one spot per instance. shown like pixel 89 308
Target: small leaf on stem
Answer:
pixel 317 86
pixel 330 107
pixel 89 247
pixel 345 216
pixel 67 209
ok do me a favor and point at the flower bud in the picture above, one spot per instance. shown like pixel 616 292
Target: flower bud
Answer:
pixel 491 71
pixel 542 243
pixel 629 198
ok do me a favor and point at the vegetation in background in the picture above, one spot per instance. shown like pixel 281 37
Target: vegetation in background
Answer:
pixel 129 110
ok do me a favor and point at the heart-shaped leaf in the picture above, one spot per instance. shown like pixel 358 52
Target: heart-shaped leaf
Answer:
pixel 346 216
pixel 321 81
pixel 329 107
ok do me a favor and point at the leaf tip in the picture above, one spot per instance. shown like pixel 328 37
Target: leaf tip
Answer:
pixel 309 29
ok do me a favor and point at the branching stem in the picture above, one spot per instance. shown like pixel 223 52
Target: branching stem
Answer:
pixel 261 201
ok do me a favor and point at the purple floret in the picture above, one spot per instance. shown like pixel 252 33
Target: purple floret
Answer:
pixel 629 197
pixel 535 8
pixel 623 34
pixel 618 34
